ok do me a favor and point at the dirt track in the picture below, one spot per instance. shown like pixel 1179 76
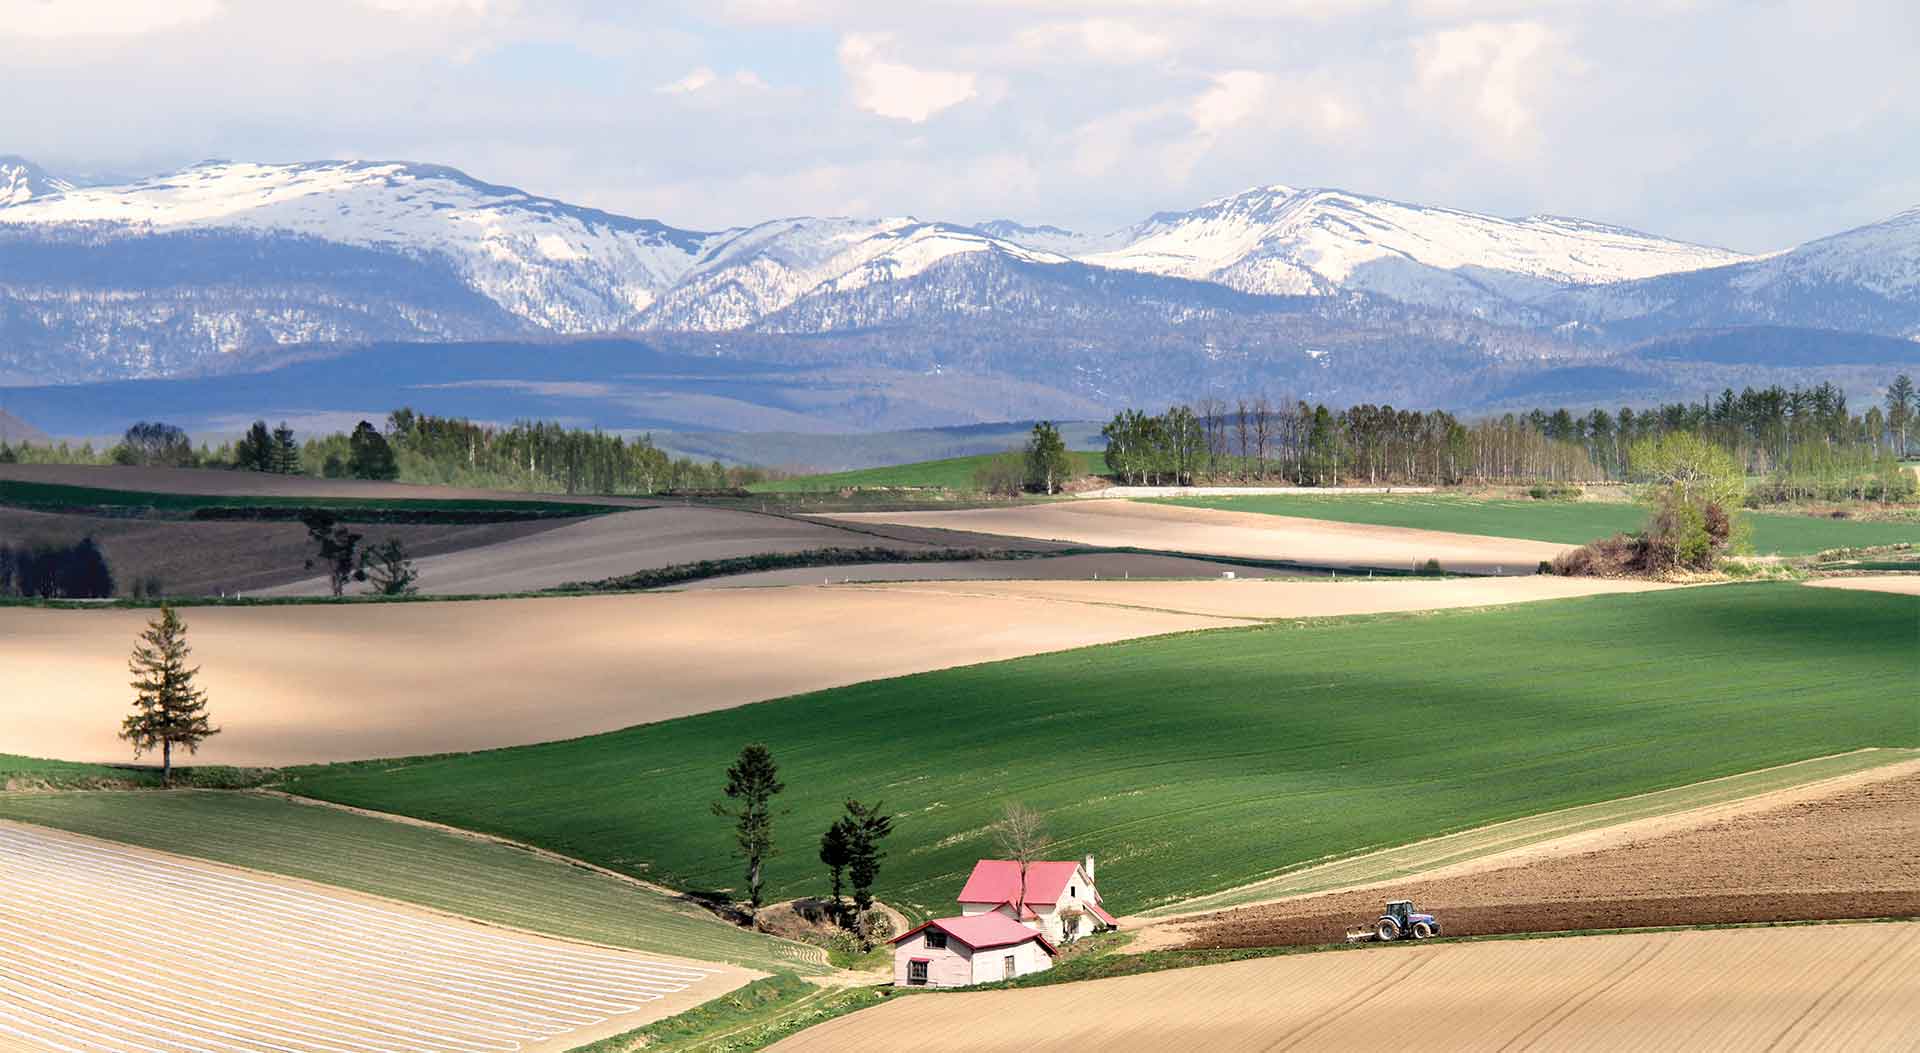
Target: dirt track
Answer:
pixel 1847 854
pixel 1244 534
pixel 250 961
pixel 1838 987
pixel 1904 584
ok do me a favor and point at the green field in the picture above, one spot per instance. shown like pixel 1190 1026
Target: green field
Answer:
pixel 954 473
pixel 1196 763
pixel 1566 522
pixel 59 497
pixel 414 864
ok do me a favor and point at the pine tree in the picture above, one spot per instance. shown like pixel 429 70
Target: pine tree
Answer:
pixel 752 781
pixel 168 710
pixel 867 826
pixel 836 851
pixel 285 455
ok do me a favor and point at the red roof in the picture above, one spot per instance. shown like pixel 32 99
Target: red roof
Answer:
pixel 998 881
pixel 983 931
pixel 1103 915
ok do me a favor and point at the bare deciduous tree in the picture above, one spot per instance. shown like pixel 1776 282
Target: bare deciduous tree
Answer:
pixel 1020 835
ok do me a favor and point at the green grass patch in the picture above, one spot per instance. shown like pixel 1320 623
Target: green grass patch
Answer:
pixel 1563 522
pixel 411 863
pixel 682 573
pixel 1200 762
pixel 57 497
pixel 954 473
pixel 34 773
pixel 753 1017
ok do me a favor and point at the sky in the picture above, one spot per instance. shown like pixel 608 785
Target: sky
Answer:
pixel 1749 124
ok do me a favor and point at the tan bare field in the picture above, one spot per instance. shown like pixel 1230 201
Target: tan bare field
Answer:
pixel 213 558
pixel 1245 534
pixel 1845 849
pixel 219 481
pixel 1837 987
pixel 615 544
pixel 251 961
pixel 1903 584
pixel 306 683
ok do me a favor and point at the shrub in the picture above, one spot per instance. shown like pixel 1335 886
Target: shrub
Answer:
pixel 1554 492
pixel 845 944
pixel 877 925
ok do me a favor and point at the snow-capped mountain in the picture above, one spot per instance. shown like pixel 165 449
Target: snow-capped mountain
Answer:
pixel 21 180
pixel 746 277
pixel 556 265
pixel 1863 280
pixel 151 276
pixel 1279 240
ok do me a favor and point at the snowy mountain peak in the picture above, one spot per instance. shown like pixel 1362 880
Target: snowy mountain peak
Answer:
pixel 21 180
pixel 1281 240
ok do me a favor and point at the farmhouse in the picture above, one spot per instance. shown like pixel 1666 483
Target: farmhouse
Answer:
pixel 1057 895
pixel 971 949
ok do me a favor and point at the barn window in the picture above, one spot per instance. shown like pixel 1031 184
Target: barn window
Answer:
pixel 917 972
pixel 936 940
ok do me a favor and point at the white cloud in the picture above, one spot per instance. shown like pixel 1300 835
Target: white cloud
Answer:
pixel 424 8
pixel 51 19
pixel 1235 96
pixel 1497 65
pixel 695 79
pixel 1099 39
pixel 892 89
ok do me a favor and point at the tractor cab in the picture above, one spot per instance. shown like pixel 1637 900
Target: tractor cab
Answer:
pixel 1400 921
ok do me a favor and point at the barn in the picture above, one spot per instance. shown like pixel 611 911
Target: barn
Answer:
pixel 972 949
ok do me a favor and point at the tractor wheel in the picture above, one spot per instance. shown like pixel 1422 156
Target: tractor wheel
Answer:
pixel 1387 930
pixel 1422 930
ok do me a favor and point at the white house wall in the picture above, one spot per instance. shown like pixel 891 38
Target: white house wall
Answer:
pixel 1029 957
pixel 949 966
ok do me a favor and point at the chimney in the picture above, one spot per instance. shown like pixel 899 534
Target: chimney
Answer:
pixel 1088 867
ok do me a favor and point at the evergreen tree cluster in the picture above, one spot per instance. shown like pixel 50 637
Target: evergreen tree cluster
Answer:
pixel 1804 442
pixel 48 571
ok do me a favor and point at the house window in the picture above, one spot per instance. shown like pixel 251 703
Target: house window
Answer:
pixel 1007 967
pixel 1074 891
pixel 936 940
pixel 917 972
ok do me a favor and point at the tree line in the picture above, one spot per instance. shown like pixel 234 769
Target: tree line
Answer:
pixel 416 447
pixel 1803 442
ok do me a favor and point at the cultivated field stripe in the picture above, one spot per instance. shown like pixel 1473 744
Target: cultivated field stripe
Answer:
pixel 254 965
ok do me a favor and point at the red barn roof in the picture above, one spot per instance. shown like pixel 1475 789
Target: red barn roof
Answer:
pixel 983 931
pixel 997 881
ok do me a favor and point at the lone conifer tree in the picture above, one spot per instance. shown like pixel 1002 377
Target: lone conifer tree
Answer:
pixel 752 780
pixel 167 708
pixel 836 851
pixel 868 826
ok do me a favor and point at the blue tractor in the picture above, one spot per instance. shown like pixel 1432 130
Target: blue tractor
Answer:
pixel 1400 922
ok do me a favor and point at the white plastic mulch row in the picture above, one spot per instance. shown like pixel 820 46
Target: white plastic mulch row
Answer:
pixel 109 949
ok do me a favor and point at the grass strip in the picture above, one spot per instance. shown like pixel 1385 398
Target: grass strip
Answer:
pixel 89 500
pixel 681 573
pixel 753 1017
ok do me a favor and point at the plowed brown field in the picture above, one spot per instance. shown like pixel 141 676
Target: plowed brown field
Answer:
pixel 1852 854
pixel 1837 987
pixel 1248 535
